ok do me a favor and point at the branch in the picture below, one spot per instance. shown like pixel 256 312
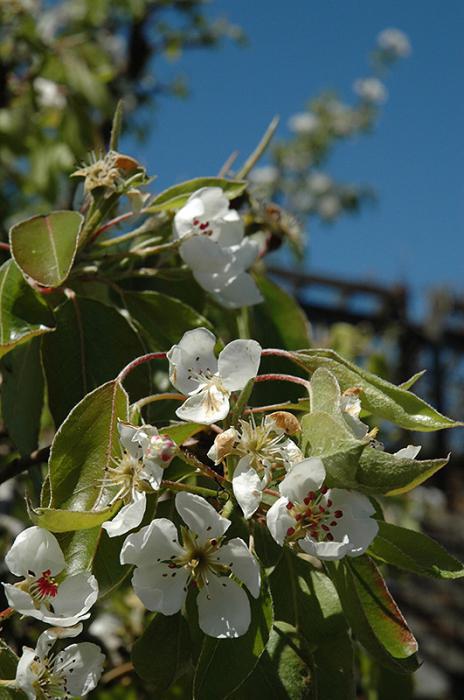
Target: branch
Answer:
pixel 22 464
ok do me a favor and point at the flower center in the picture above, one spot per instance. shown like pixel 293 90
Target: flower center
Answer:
pixel 316 516
pixel 199 559
pixel 125 475
pixel 44 587
pixel 202 227
pixel 50 683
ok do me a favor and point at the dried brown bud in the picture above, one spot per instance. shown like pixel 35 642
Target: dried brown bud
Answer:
pixel 223 445
pixel 285 421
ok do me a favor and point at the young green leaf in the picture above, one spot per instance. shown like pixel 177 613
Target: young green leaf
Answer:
pixel 44 246
pixel 23 313
pixel 325 393
pixel 382 472
pixel 162 653
pixel 414 552
pixel 378 396
pixel 175 197
pixel 57 520
pixel 280 320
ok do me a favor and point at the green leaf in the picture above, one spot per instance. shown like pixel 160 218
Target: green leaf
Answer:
pixel 325 393
pixel 23 395
pixel 91 344
pixel 381 472
pixel 373 615
pixel 224 664
pixel 282 672
pixel 169 636
pixel 57 520
pixel 282 321
pixel 378 396
pixel 23 313
pixel 181 432
pixel 8 664
pixel 175 197
pixel 83 448
pixel 44 246
pixel 414 552
pixel 162 319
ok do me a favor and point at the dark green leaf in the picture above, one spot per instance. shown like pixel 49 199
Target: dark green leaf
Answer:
pixel 23 313
pixel 23 395
pixel 415 552
pixel 44 246
pixel 162 319
pixel 175 197
pixel 91 344
pixel 378 396
pixel 169 635
pixel 224 664
pixel 8 663
pixel 283 320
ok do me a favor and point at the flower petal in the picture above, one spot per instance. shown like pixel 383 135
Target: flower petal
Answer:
pixel 247 487
pixel 242 564
pixel 238 363
pixel 240 291
pixel 207 406
pixel 153 473
pixel 153 543
pixel 75 597
pixel 81 665
pixel 126 437
pixel 279 520
pixel 245 255
pixel 328 551
pixel 409 452
pixel 202 254
pixel 303 477
pixel 48 638
pixel 200 517
pixel 231 230
pixel 223 608
pixel 161 588
pixel 194 352
pixel 36 550
pixel 128 517
pixel 215 203
pixel 25 676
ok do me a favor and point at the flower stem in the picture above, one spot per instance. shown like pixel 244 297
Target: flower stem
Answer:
pixel 176 486
pixel 282 378
pixel 138 405
pixel 110 224
pixel 278 352
pixel 139 361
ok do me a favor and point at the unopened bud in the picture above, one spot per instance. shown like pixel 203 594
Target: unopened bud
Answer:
pixel 285 421
pixel 161 448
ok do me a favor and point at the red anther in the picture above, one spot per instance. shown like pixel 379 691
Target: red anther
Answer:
pixel 213 542
pixel 325 527
pixel 333 523
pixel 290 531
pixel 306 501
pixel 308 513
pixel 204 226
pixel 330 502
pixel 196 222
pixel 329 537
pixel 171 565
pixel 314 534
pixel 338 513
pixel 321 509
pixel 289 505
pixel 299 517
pixel 165 457
pixel 323 489
pixel 311 495
pixel 46 585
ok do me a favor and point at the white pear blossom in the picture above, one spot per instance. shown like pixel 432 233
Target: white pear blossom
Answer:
pixel 214 247
pixel 165 568
pixel 208 382
pixel 303 123
pixel 371 90
pixel 264 176
pixel 49 94
pixel 395 42
pixel 326 523
pixel 72 672
pixel 146 454
pixel 260 448
pixel 329 206
pixel 45 592
pixel 319 183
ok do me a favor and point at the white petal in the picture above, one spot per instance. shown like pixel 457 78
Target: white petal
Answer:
pixel 153 473
pixel 290 453
pixel 206 407
pixel 75 597
pixel 128 517
pixel 25 676
pixel 240 291
pixel 161 588
pixel 242 564
pixel 154 543
pixel 279 520
pixel 21 601
pixel 238 363
pixel 36 550
pixel 223 608
pixel 215 203
pixel 231 230
pixel 409 452
pixel 361 532
pixel 126 437
pixel 358 504
pixel 304 477
pixel 202 254
pixel 81 665
pixel 200 517
pixel 48 638
pixel 213 282
pixel 245 255
pixel 195 351
pixel 247 487
pixel 329 551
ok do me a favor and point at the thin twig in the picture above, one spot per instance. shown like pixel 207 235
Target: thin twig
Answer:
pixel 228 164
pixel 140 361
pixel 282 378
pixel 22 464
pixel 259 150
pixel 109 224
pixel 117 672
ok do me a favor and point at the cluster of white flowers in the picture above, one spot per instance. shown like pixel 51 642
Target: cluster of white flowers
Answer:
pixel 215 248
pixel 394 42
pixel 371 90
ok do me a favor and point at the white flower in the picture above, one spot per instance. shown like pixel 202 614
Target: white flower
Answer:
pixel 371 90
pixel 329 206
pixel 264 176
pixel 49 94
pixel 394 42
pixel 44 593
pixel 303 123
pixel 208 382
pixel 75 671
pixel 164 568
pixel 409 452
pixel 215 249
pixel 146 455
pixel 319 183
pixel 260 448
pixel 328 524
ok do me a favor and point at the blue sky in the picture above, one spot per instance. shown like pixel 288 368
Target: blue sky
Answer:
pixel 414 159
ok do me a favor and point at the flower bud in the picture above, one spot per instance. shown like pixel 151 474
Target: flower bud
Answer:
pixel 223 445
pixel 161 449
pixel 286 422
